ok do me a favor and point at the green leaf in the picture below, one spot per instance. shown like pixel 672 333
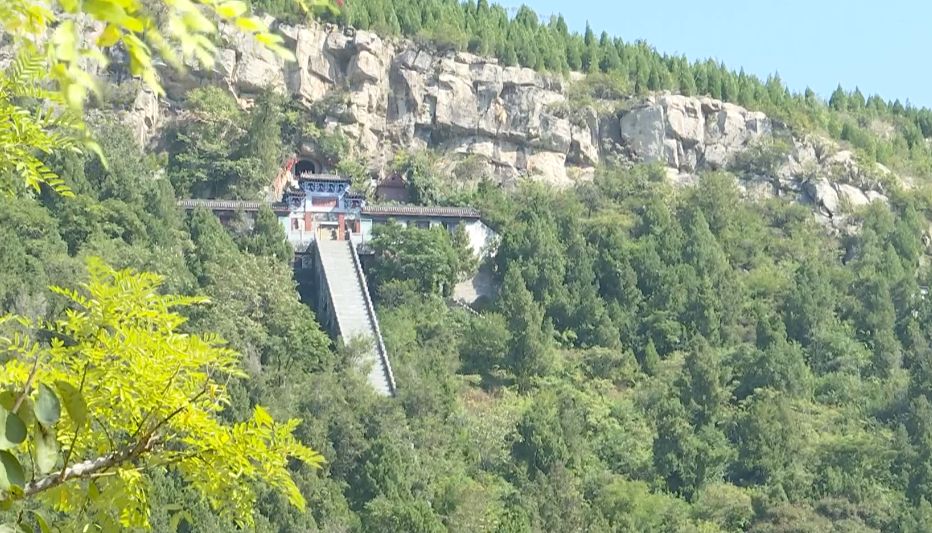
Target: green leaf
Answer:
pixel 74 402
pixel 48 408
pixel 109 36
pixel 12 472
pixel 262 416
pixel 93 493
pixel 7 400
pixel 231 9
pixel 25 412
pixel 178 517
pixel 41 521
pixel 250 24
pixel 46 449
pixel 13 430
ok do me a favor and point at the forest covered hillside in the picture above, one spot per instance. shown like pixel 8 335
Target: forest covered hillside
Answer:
pixel 664 350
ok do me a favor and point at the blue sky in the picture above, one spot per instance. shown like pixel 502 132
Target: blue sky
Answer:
pixel 881 47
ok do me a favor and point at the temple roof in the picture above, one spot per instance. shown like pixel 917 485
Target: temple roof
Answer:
pixel 229 205
pixel 324 177
pixel 420 211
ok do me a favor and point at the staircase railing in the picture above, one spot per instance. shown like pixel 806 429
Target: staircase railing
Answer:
pixel 370 310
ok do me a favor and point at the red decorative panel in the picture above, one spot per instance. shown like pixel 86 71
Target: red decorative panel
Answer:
pixel 323 202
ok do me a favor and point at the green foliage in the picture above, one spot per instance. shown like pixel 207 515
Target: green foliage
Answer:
pixel 655 360
pixel 427 256
pixel 124 337
pixel 267 237
pixel 358 172
pixel 333 146
pixel 223 151
pixel 530 353
pixel 423 178
pixel 28 135
pixel 50 47
pixel 788 410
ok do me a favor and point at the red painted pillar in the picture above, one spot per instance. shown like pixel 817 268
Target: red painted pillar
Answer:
pixel 308 223
pixel 341 226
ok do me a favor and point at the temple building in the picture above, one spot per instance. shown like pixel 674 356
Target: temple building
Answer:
pixel 329 224
pixel 319 206
pixel 325 207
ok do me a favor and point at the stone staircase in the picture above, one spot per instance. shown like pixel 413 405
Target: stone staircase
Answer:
pixel 352 306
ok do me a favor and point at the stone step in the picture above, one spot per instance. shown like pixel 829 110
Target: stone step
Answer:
pixel 347 294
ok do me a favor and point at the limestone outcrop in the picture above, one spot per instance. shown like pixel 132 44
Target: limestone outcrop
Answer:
pixel 392 94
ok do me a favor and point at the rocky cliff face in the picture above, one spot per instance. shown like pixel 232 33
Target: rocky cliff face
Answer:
pixel 391 95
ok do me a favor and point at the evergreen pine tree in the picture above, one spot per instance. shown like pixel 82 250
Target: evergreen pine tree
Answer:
pixel 838 100
pixel 588 36
pixel 701 385
pixel 530 353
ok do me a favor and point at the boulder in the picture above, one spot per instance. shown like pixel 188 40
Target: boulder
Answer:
pixel 851 195
pixel 685 121
pixel 520 76
pixel 642 129
pixel 368 42
pixel 671 153
pixel 144 117
pixel 418 60
pixel 225 64
pixel 717 156
pixel 727 127
pixel 555 134
pixel 338 43
pixel 549 167
pixel 456 106
pixel 258 69
pixel 758 124
pixel 821 193
pixel 584 138
pixel 364 67
pixel 874 196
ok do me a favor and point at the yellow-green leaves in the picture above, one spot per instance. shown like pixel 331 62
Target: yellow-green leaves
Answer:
pixel 53 36
pixel 74 402
pixel 232 9
pixel 142 27
pixel 42 413
pixel 261 416
pixel 64 41
pixel 130 389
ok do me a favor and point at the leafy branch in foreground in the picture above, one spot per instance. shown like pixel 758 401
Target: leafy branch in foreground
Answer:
pixel 54 48
pixel 138 394
pixel 27 134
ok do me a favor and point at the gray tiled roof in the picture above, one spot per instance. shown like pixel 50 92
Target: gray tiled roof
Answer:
pixel 228 205
pixel 420 211
pixel 324 177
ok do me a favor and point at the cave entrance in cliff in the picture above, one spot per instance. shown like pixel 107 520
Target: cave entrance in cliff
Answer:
pixel 305 167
